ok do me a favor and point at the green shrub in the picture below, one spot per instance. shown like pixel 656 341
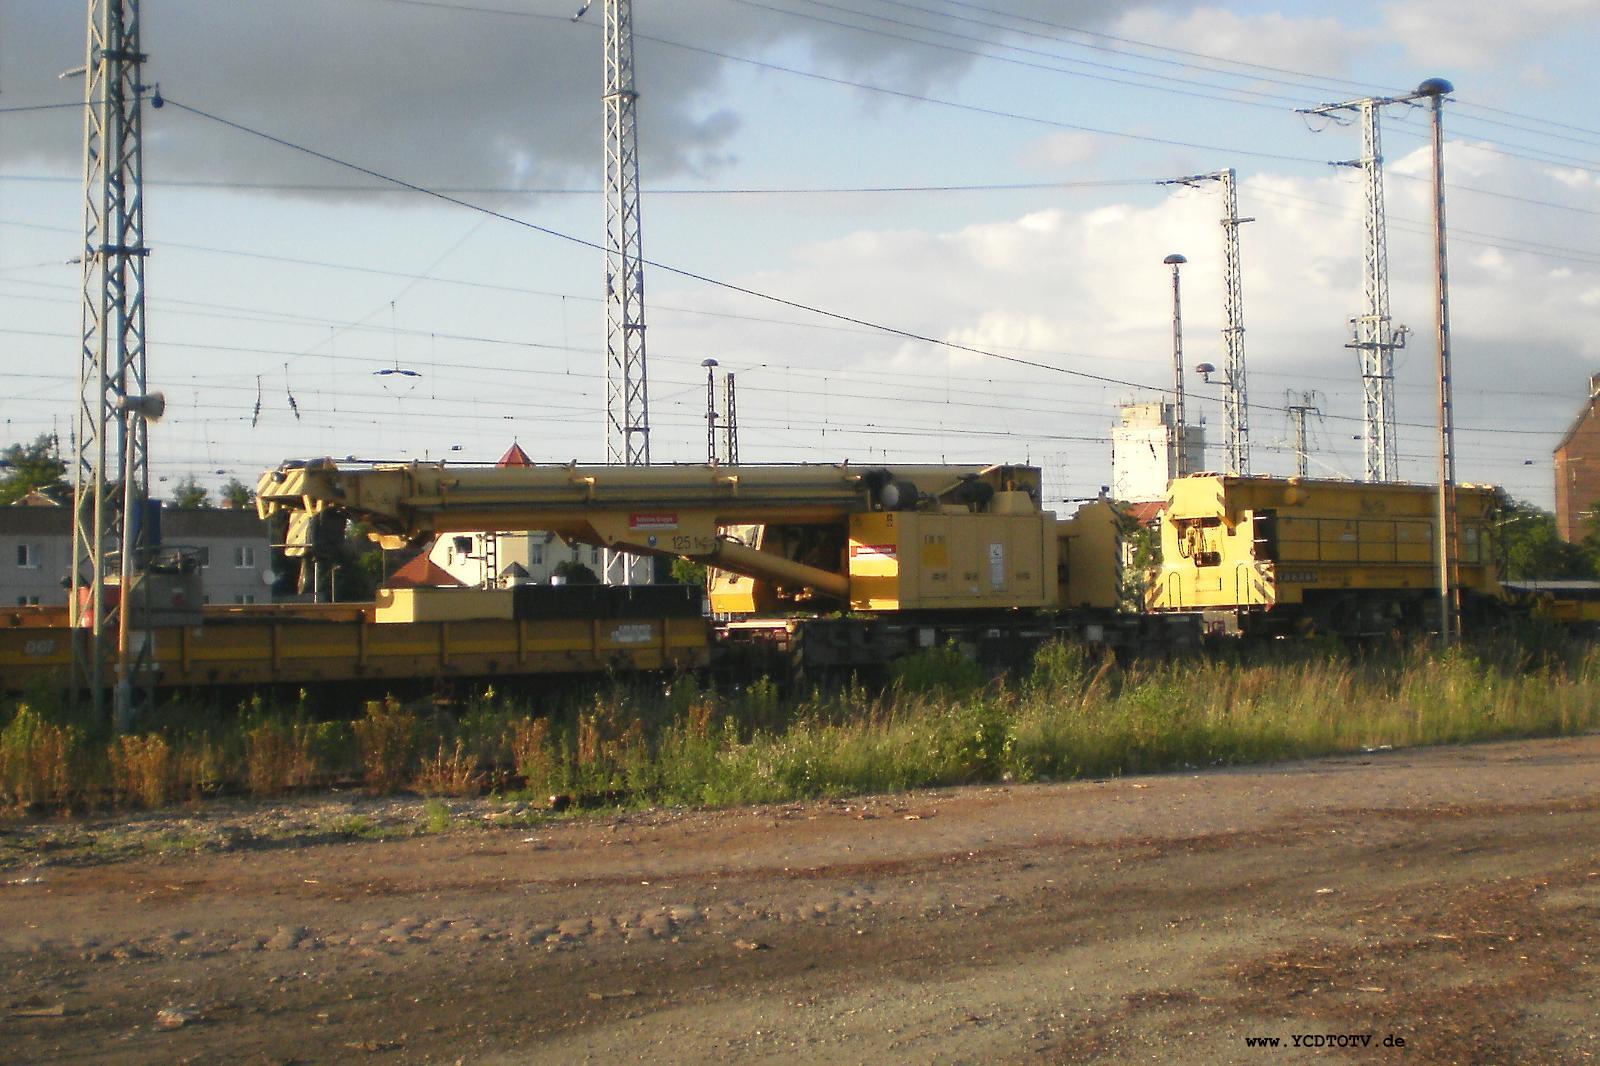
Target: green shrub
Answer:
pixel 450 771
pixel 387 737
pixel 436 816
pixel 280 755
pixel 535 754
pixel 944 670
pixel 142 769
pixel 37 760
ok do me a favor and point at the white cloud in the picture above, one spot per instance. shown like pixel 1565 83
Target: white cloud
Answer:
pixel 1087 290
pixel 1473 33
pixel 440 97
pixel 1323 45
pixel 1064 151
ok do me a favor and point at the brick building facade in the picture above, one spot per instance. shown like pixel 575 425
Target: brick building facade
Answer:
pixel 1578 469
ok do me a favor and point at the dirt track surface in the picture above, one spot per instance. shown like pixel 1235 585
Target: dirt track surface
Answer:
pixel 1447 897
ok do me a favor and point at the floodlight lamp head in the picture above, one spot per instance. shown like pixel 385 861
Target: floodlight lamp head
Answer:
pixel 150 407
pixel 1205 370
pixel 1435 87
pixel 708 363
pixel 1174 259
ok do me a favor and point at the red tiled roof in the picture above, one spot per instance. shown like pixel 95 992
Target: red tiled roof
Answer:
pixel 420 572
pixel 1146 513
pixel 515 456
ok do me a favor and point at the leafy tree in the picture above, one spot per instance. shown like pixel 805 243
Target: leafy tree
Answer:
pixel 189 495
pixel 1142 548
pixel 1532 550
pixel 360 566
pixel 688 572
pixel 26 467
pixel 575 573
pixel 237 494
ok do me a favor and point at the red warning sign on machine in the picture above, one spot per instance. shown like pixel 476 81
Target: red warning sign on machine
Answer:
pixel 872 551
pixel 653 520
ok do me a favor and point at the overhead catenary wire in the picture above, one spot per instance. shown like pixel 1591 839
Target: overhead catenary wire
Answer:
pixel 875 329
pixel 678 271
pixel 653 264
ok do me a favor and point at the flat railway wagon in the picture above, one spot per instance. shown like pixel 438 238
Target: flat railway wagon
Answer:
pixel 1279 556
pixel 427 635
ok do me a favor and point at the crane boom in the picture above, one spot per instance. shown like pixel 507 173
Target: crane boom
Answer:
pixel 681 511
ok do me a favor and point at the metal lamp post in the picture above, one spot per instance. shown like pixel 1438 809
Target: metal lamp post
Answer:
pixel 1437 89
pixel 1179 431
pixel 711 410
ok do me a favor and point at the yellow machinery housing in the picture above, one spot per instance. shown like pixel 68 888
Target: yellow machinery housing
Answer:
pixel 914 538
pixel 881 561
pixel 1286 554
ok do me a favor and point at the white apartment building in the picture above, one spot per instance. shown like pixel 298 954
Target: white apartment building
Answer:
pixel 528 557
pixel 36 553
pixel 1144 451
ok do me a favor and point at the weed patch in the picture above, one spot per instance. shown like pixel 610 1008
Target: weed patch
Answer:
pixel 938 722
pixel 141 769
pixel 388 740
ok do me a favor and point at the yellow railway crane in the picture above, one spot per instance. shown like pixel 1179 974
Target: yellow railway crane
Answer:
pixel 945 552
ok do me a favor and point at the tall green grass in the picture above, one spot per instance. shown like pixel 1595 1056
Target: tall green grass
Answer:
pixel 939 721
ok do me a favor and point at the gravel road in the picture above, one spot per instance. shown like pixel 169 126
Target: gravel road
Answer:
pixel 1448 898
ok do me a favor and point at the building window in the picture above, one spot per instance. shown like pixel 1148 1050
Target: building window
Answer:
pixel 536 555
pixel 28 556
pixel 27 601
pixel 594 556
pixel 244 598
pixel 244 556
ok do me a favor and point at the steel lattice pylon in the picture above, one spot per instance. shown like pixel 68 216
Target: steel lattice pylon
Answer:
pixel 1236 407
pixel 112 365
pixel 627 388
pixel 730 422
pixel 1297 415
pixel 1375 339
pixel 1373 336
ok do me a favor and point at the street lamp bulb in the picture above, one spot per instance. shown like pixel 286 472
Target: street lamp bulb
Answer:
pixel 1435 87
pixel 1174 259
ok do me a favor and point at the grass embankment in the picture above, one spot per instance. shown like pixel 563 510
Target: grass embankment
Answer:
pixel 940 722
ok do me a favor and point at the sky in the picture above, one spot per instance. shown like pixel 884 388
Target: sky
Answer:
pixel 915 230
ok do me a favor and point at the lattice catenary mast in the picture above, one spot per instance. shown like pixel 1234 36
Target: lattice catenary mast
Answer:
pixel 1236 407
pixel 730 422
pixel 111 372
pixel 1297 415
pixel 627 388
pixel 1374 337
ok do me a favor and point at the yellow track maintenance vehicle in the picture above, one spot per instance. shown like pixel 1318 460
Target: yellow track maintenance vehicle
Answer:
pixel 843 566
pixel 815 568
pixel 1286 555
